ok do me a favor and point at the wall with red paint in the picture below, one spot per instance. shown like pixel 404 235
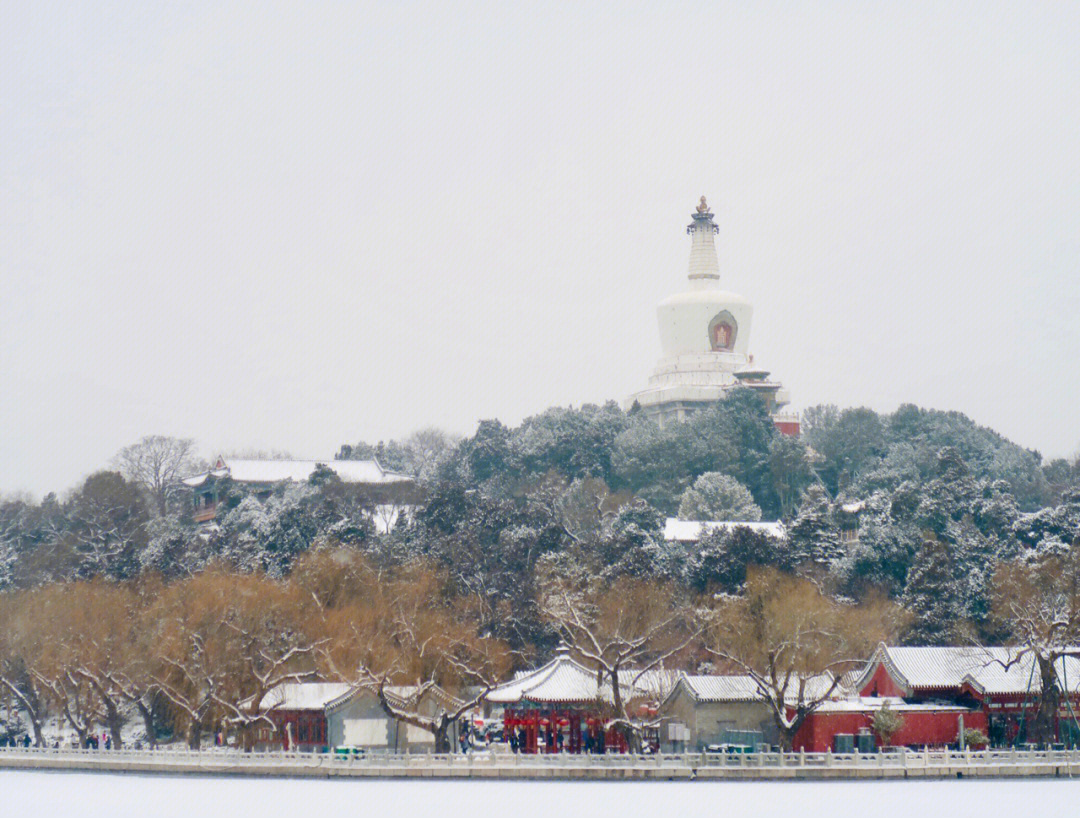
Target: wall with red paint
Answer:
pixel 881 684
pixel 935 727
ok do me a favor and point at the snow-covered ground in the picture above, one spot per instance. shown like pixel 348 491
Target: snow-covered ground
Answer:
pixel 119 796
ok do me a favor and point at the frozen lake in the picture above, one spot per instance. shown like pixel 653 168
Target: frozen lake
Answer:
pixel 26 793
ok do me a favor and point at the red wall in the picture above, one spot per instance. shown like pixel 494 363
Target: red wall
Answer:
pixel 787 427
pixel 920 727
pixel 881 684
pixel 308 727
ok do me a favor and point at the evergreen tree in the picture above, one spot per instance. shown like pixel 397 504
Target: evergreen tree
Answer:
pixel 723 556
pixel 715 496
pixel 814 535
pixel 931 596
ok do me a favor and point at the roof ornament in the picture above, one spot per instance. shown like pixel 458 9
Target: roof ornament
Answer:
pixel 703 206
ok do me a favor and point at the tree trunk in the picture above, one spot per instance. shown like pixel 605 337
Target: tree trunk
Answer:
pixel 31 703
pixel 441 733
pixel 1044 722
pixel 35 723
pixel 245 734
pixel 148 722
pixel 116 726
pixel 631 737
pixel 112 717
pixel 786 732
pixel 195 734
pixel 624 726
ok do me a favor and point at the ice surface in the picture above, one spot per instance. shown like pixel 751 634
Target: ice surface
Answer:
pixel 27 793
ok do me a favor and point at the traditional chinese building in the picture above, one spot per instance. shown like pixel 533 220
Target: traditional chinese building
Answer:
pixel 1004 689
pixel 705 335
pixel 711 711
pixel 316 716
pixel 560 707
pixel 263 475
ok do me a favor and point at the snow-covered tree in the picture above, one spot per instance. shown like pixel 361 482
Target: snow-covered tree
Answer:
pixel 723 557
pixel 814 535
pixel 933 596
pixel 1037 603
pixel 716 496
pixel 410 631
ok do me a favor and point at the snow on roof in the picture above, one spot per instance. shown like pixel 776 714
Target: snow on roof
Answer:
pixel 329 695
pixel 560 680
pixel 304 695
pixel 692 530
pixel 984 668
pixel 1019 678
pixel 277 471
pixel 849 680
pixel 722 688
pixel 853 508
pixel 743 688
pixel 867 704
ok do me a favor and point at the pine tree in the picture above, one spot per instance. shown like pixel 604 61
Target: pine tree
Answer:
pixel 932 596
pixel 815 537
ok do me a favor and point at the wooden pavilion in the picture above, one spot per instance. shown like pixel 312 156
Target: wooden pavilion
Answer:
pixel 560 707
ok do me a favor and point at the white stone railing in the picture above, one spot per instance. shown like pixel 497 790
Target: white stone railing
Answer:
pixel 487 763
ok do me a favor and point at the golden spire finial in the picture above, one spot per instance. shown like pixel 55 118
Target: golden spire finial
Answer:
pixel 703 206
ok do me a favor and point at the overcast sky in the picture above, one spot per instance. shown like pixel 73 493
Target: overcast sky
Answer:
pixel 294 226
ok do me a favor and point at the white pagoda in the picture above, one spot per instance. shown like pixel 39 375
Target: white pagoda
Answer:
pixel 705 334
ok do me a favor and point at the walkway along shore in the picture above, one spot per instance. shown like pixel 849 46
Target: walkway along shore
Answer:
pixel 687 766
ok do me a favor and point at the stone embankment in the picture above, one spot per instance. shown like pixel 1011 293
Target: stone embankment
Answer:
pixel 687 766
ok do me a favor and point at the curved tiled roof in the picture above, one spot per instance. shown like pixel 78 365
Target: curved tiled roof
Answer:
pixel 984 668
pixel 722 688
pixel 743 688
pixel 562 680
pixel 304 695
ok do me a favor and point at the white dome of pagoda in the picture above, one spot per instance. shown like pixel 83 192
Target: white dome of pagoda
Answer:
pixel 704 318
pixel 705 335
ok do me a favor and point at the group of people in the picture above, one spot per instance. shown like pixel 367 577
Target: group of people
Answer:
pixel 94 742
pixel 24 741
pixel 552 737
pixel 470 736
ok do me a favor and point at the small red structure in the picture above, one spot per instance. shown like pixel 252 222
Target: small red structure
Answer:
pixel 790 428
pixel 297 712
pixel 925 725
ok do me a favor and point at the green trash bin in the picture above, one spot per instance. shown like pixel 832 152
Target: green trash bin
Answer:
pixel 844 743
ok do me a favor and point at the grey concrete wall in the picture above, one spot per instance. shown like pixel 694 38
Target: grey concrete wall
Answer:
pixel 362 722
pixel 707 721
